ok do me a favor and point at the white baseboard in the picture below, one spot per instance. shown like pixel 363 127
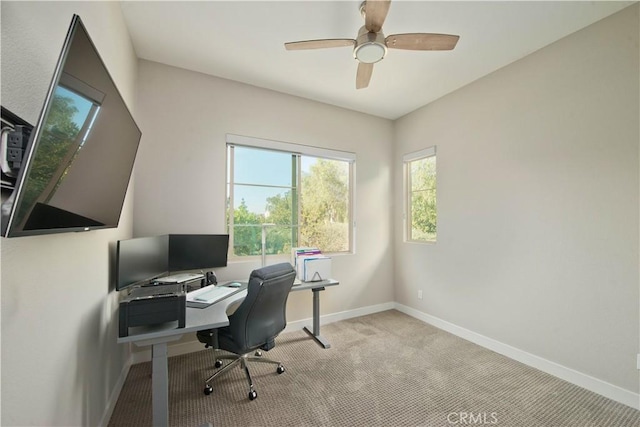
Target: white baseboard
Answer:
pixel 580 379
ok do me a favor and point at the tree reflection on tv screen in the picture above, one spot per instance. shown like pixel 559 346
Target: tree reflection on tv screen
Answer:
pixel 66 128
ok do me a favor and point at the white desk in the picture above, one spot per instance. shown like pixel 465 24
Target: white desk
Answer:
pixel 196 319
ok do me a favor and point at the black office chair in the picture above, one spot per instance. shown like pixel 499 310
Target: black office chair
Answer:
pixel 255 324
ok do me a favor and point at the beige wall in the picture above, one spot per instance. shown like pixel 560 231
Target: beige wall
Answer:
pixel 537 204
pixel 60 361
pixel 181 171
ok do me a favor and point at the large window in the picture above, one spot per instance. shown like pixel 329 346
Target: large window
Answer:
pixel 420 184
pixel 282 195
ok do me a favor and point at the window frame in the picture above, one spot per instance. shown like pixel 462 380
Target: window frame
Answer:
pixel 297 151
pixel 407 159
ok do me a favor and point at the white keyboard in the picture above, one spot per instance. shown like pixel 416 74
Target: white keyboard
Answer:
pixel 210 294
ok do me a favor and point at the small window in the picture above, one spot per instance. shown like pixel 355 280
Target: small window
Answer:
pixel 420 183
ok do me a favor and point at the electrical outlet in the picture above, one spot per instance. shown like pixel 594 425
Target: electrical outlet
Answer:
pixel 419 293
pixel 15 140
pixel 14 154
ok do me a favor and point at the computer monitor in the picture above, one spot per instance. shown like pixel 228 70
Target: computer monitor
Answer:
pixel 141 260
pixel 197 251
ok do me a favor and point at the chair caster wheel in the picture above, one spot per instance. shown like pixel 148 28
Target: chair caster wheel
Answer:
pixel 280 369
pixel 253 395
pixel 208 390
pixel 218 363
pixel 258 353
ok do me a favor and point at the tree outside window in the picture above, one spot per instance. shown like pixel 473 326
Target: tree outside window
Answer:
pixel 421 196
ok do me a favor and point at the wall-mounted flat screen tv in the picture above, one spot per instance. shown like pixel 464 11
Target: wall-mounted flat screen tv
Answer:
pixel 78 162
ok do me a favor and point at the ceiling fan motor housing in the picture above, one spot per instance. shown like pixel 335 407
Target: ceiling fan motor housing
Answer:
pixel 370 47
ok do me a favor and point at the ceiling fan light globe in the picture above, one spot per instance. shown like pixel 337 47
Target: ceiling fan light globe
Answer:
pixel 370 52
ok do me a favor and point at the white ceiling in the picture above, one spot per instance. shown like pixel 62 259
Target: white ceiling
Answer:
pixel 244 41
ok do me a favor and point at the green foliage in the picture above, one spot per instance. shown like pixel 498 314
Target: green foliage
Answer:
pixel 247 232
pixel 281 236
pixel 325 207
pixel 324 215
pixel 58 135
pixel 423 212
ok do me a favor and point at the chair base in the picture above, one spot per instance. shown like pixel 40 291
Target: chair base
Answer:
pixel 241 359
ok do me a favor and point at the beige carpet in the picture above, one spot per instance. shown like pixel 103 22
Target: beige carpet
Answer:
pixel 385 369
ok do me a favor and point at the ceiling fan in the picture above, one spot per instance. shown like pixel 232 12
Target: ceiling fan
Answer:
pixel 370 46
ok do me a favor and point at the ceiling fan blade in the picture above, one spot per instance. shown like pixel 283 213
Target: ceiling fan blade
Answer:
pixel 364 75
pixel 319 44
pixel 375 12
pixel 422 41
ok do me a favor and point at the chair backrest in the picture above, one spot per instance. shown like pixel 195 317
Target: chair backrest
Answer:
pixel 262 314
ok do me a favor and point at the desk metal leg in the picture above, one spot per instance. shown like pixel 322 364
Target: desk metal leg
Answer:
pixel 160 384
pixel 316 320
